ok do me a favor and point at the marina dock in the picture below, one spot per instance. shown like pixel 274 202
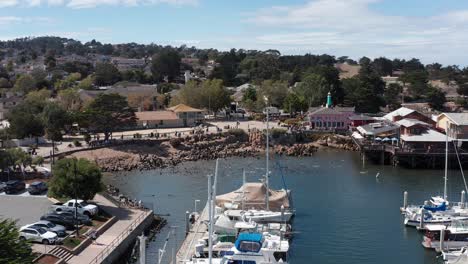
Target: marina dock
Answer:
pixel 196 232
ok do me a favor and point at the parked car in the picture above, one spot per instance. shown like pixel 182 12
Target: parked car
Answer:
pixel 2 186
pixel 14 186
pixel 82 219
pixel 65 221
pixel 82 207
pixel 37 234
pixel 49 226
pixel 37 187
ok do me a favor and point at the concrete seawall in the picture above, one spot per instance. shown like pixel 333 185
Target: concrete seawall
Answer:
pixel 123 247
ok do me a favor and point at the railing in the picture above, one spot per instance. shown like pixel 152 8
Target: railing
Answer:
pixel 116 242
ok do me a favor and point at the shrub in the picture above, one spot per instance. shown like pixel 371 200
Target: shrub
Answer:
pixel 237 132
pixel 292 121
pixel 77 143
pixel 87 138
pixel 277 132
pixel 175 142
pixel 39 160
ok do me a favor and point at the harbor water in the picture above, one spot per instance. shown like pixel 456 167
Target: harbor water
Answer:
pixel 346 211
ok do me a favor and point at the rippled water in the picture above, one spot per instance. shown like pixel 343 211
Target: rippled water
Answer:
pixel 344 213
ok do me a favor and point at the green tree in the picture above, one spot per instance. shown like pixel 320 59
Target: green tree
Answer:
pixel 436 98
pixel 25 83
pixel 25 121
pixel 382 66
pixel 274 91
pixel 12 249
pixel 294 103
pixel 75 177
pixel 106 74
pixel 69 82
pixel 18 157
pixel 55 119
pixel 87 83
pixel 314 89
pixel 210 94
pixel 109 112
pixel 250 94
pixel 166 64
pixel 392 95
pixel 69 99
pixel 418 82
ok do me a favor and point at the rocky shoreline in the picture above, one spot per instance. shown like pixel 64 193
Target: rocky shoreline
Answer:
pixel 153 154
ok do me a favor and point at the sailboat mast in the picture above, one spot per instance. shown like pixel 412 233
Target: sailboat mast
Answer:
pixel 243 189
pixel 446 159
pixel 267 174
pixel 210 217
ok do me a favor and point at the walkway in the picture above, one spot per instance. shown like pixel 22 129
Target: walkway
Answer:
pixel 197 231
pixel 126 219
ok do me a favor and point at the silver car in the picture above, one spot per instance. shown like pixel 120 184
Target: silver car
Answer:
pixel 49 226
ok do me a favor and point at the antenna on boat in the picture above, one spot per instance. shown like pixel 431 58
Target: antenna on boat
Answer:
pixel 211 210
pixel 210 217
pixel 244 181
pixel 446 159
pixel 267 174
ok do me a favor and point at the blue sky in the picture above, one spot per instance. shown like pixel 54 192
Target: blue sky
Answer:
pixel 432 30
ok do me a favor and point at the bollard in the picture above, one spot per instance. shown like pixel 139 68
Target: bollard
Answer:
pixel 405 199
pixel 462 200
pixel 442 233
pixel 187 225
pixel 421 220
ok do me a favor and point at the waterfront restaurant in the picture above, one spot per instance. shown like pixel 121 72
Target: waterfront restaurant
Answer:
pixel 404 112
pixel 418 136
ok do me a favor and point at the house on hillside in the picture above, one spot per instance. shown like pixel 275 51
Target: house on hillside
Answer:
pixel 7 102
pixel 457 124
pixel 403 112
pixel 329 117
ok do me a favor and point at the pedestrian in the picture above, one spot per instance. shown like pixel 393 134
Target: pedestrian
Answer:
pixel 93 235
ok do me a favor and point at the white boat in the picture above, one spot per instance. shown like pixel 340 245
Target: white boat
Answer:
pixel 253 248
pixel 414 219
pixel 456 257
pixel 226 226
pixel 455 236
pixel 262 216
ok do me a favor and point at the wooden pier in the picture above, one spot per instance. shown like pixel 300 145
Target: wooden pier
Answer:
pixel 197 231
pixel 382 153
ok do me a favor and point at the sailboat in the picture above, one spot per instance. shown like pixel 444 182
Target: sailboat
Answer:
pixel 258 203
pixel 438 210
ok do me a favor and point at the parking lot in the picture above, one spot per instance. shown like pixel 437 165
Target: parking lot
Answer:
pixel 24 208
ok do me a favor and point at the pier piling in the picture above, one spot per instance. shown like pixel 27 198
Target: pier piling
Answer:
pixel 187 225
pixel 462 200
pixel 421 220
pixel 405 199
pixel 442 233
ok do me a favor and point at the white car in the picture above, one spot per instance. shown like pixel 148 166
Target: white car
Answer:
pixel 37 234
pixel 81 206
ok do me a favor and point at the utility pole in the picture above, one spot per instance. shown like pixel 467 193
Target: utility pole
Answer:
pixel 76 198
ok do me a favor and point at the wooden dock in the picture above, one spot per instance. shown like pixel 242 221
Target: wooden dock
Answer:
pixel 197 231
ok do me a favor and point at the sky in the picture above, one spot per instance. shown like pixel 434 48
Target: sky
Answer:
pixel 431 30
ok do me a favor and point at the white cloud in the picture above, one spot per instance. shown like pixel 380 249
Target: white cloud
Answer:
pixel 7 3
pixel 352 27
pixel 79 4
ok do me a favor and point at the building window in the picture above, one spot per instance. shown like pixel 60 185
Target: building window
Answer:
pixel 161 122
